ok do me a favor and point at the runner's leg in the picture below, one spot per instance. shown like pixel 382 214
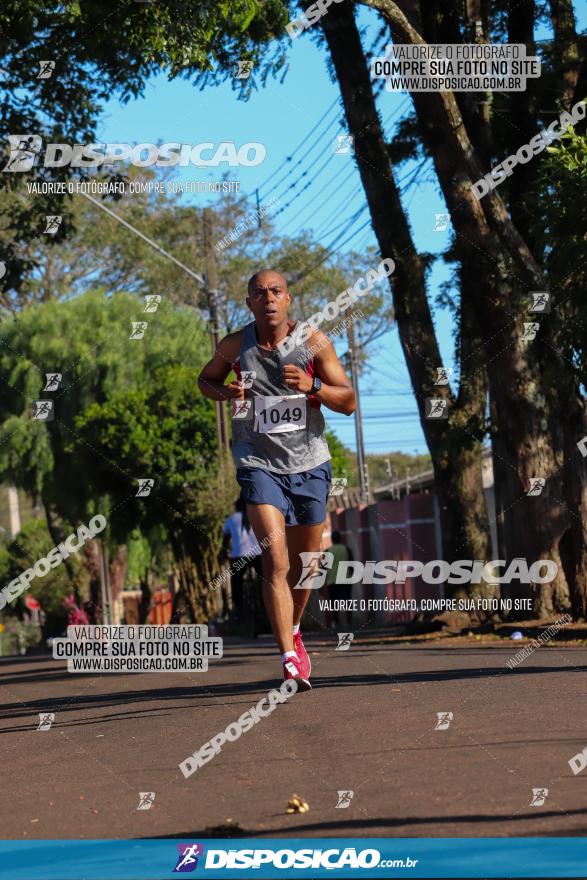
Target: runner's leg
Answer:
pixel 300 539
pixel 266 519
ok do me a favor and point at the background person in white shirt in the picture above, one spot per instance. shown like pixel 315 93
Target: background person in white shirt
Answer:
pixel 243 552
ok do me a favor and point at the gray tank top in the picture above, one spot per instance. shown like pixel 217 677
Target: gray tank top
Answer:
pixel 292 452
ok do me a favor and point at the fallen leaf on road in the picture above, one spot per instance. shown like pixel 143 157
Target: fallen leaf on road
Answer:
pixel 296 804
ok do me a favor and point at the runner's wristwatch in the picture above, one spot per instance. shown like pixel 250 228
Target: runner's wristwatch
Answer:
pixel 316 385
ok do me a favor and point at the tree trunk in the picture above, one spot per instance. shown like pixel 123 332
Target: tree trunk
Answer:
pixel 446 112
pixel 574 549
pixel 196 568
pixel 454 445
pixel 91 553
pixel 533 525
pixel 567 49
pixel 442 23
pixel 522 106
pixel 118 570
pixel 146 595
pixel 567 401
pixel 59 534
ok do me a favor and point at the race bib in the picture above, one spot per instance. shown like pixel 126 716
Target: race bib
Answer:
pixel 277 415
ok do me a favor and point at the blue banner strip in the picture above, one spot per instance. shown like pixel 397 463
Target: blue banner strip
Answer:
pixel 271 858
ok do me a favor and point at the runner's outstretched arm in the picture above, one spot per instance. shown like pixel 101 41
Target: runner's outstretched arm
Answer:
pixel 212 378
pixel 336 392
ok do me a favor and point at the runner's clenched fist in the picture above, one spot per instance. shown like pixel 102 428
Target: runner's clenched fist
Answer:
pixel 236 390
pixel 297 378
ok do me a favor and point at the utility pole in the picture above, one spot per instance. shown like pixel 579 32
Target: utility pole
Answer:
pixel 106 593
pixel 212 294
pixel 13 511
pixel 259 221
pixel 363 474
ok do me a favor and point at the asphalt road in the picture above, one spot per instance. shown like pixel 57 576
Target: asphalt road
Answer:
pixel 368 727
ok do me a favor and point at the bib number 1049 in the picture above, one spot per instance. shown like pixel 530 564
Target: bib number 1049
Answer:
pixel 277 415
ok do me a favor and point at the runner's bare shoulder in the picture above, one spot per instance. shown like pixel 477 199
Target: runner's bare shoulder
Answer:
pixel 223 360
pixel 318 342
pixel 229 347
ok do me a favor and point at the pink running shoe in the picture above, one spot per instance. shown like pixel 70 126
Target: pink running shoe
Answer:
pixel 292 670
pixel 305 663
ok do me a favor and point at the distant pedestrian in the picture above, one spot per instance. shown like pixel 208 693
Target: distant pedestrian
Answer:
pixel 243 552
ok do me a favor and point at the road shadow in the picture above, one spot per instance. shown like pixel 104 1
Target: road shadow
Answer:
pixel 235 692
pixel 350 827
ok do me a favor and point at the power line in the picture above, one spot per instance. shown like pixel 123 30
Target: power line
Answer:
pixel 300 145
pixel 387 394
pixel 352 217
pixel 331 250
pixel 335 209
pixel 365 206
pixel 359 245
pixel 316 174
pixel 319 193
pixel 149 241
pixel 350 176
pixel 303 189
pixel 409 418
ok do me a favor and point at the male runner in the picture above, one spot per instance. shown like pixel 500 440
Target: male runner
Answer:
pixel 281 455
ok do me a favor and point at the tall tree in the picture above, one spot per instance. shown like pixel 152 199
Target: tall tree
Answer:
pixel 126 409
pixel 532 526
pixel 455 446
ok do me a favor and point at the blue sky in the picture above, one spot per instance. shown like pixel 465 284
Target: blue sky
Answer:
pixel 280 116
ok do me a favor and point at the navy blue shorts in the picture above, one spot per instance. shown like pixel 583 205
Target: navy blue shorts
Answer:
pixel 301 498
